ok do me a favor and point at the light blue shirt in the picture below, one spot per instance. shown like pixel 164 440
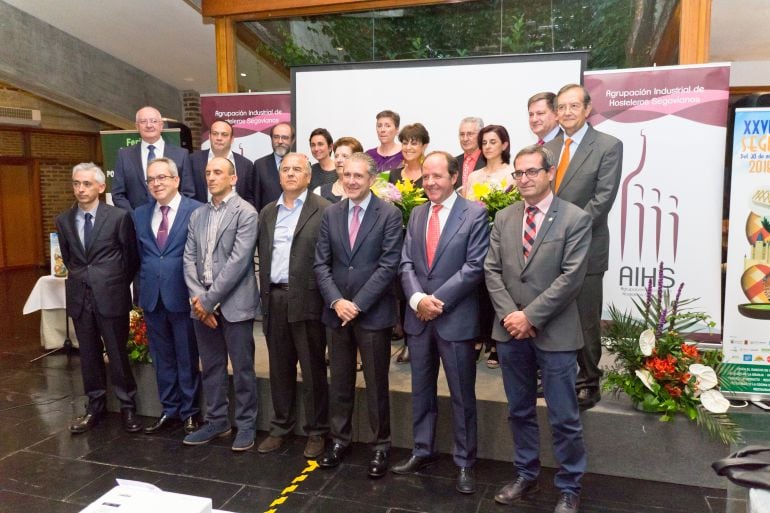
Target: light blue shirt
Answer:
pixel 278 161
pixel 80 222
pixel 285 224
pixel 577 137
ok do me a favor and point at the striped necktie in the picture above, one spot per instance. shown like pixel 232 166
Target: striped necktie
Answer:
pixel 530 231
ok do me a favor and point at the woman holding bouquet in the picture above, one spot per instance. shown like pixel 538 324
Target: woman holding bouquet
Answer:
pixel 495 146
pixel 344 147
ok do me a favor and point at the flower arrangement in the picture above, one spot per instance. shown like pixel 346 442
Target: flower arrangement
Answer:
pixel 661 371
pixel 138 345
pixel 403 194
pixel 494 197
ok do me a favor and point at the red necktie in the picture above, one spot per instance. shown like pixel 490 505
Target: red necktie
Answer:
pixel 355 224
pixel 563 164
pixel 162 236
pixel 540 142
pixel 530 231
pixel 466 168
pixel 434 233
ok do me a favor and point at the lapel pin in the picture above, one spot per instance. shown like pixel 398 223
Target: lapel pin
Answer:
pixel 550 219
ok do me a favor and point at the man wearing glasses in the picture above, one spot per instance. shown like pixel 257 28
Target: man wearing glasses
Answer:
pixel 537 259
pixel 588 175
pixel 267 186
pixel 161 233
pixel 129 187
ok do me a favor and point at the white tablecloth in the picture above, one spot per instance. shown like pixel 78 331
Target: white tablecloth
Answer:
pixel 48 296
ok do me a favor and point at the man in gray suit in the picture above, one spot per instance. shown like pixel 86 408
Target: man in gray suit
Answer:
pixel 588 175
pixel 219 272
pixel 534 270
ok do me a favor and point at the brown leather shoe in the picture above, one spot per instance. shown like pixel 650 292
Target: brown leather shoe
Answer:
pixel 84 423
pixel 314 446
pixel 270 444
pixel 517 490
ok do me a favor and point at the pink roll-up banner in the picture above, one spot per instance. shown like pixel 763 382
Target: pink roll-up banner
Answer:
pixel 252 116
pixel 672 121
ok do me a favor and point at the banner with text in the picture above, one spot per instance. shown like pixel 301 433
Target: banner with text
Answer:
pixel 672 121
pixel 746 339
pixel 252 116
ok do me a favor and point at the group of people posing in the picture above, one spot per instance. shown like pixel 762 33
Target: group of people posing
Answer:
pixel 335 258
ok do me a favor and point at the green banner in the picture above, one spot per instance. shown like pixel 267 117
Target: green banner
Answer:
pixel 113 140
pixel 744 378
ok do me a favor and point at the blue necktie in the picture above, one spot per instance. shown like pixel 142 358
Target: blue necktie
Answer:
pixel 87 228
pixel 150 154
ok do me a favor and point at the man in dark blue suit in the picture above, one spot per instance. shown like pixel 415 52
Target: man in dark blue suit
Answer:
pixel 441 269
pixel 161 233
pixel 267 186
pixel 221 140
pixel 356 261
pixel 129 186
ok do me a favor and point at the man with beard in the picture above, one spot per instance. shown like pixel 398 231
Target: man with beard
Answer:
pixel 267 186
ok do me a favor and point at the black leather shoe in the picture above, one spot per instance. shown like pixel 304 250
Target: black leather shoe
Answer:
pixel 191 425
pixel 517 490
pixel 333 455
pixel 568 503
pixel 588 397
pixel 414 464
pixel 379 464
pixel 84 423
pixel 130 423
pixel 162 423
pixel 466 483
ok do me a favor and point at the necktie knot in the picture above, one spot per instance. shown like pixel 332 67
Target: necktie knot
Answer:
pixel 151 148
pixel 567 142
pixel 164 210
pixel 436 209
pixel 89 217
pixel 531 210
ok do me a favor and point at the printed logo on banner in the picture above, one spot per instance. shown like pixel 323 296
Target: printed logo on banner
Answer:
pixel 747 358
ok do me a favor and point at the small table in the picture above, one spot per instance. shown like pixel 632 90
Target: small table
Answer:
pixel 49 297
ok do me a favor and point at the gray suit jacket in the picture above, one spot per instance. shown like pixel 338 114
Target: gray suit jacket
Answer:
pixel 546 284
pixel 591 182
pixel 234 286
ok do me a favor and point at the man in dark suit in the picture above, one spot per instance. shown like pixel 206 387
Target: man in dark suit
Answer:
pixel 441 269
pixel 471 158
pixel 161 233
pixel 542 116
pixel 291 307
pixel 356 262
pixel 219 272
pixel 221 140
pixel 588 175
pixel 534 271
pixel 129 185
pixel 98 246
pixel 267 186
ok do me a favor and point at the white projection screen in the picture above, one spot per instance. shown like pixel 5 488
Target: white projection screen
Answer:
pixel 345 98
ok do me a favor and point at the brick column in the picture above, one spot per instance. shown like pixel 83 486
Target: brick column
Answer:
pixel 191 112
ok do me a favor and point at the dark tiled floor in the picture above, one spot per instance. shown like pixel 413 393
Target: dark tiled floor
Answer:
pixel 45 469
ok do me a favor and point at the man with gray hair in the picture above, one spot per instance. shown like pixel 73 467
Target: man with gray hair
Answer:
pixel 356 260
pixel 98 246
pixel 471 158
pixel 291 307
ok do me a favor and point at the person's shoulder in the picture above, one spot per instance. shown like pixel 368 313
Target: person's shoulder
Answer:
pixel 603 138
pixel 570 209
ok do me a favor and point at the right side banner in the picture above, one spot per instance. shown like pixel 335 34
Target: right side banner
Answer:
pixel 747 290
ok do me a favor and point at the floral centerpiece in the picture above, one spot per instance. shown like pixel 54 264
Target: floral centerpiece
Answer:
pixel 138 348
pixel 494 197
pixel 661 371
pixel 403 194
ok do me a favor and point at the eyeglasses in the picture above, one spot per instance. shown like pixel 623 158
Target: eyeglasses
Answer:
pixel 157 179
pixel 148 121
pixel 572 107
pixel 277 137
pixel 531 173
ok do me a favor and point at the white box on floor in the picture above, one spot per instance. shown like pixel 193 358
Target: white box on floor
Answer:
pixel 759 501
pixel 131 499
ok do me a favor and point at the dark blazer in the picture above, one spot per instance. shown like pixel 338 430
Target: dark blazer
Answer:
pixel 243 168
pixel 161 275
pixel 480 162
pixel 591 182
pixel 109 265
pixel 304 296
pixel 365 273
pixel 546 284
pixel 129 189
pixel 457 271
pixel 267 186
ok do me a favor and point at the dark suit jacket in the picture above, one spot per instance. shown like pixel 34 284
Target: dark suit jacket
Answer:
pixel 129 189
pixel 546 284
pixel 591 182
pixel 161 275
pixel 480 162
pixel 457 271
pixel 304 296
pixel 243 168
pixel 107 267
pixel 365 273
pixel 267 186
